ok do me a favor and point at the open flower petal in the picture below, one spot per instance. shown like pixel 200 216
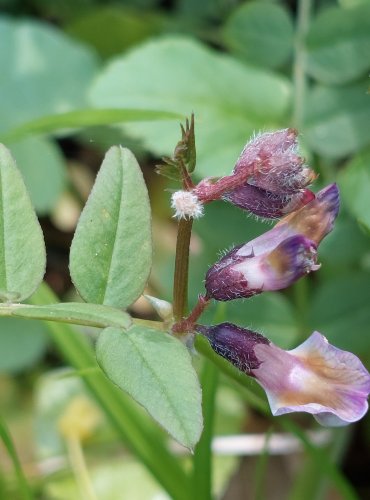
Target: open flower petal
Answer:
pixel 316 377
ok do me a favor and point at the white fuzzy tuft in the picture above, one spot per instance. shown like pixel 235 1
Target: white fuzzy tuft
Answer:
pixel 186 205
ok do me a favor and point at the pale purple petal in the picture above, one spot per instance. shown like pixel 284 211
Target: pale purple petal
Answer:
pixel 315 220
pixel 316 378
pixel 235 277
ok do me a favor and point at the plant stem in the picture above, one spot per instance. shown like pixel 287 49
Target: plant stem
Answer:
pixel 180 281
pixel 299 74
pixel 79 468
pixel 202 462
pixel 51 313
pixel 187 324
pixel 24 489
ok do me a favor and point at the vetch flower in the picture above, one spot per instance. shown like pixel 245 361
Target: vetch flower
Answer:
pixel 315 377
pixel 279 257
pixel 274 163
pixel 269 178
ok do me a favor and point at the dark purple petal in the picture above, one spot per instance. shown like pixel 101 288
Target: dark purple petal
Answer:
pixel 234 344
pixel 268 204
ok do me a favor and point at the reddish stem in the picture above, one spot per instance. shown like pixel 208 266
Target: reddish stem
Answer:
pixel 187 324
pixel 207 191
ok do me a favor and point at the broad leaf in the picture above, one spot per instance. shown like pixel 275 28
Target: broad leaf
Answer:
pixel 156 370
pixel 22 344
pixel 337 119
pixel 46 72
pixel 338 45
pixel 22 248
pixel 39 159
pixel 261 33
pixel 77 313
pixel 340 311
pixel 230 100
pixel 335 252
pixel 354 182
pixel 111 251
pixel 111 29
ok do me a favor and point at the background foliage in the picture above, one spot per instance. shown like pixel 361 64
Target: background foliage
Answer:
pixel 115 67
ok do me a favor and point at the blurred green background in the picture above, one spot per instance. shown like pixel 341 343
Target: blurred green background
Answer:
pixel 241 67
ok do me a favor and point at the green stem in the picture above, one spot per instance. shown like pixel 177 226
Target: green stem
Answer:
pixel 136 431
pixel 5 436
pixel 202 462
pixel 180 281
pixel 322 465
pixel 299 73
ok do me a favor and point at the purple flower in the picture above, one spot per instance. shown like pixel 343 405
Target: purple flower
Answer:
pixel 315 377
pixel 279 257
pixel 269 178
pixel 274 164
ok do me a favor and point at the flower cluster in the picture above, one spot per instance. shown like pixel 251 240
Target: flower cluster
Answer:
pixel 270 180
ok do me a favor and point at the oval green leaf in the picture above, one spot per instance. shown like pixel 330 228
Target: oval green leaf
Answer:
pixel 337 120
pixel 54 76
pixel 261 33
pixel 22 248
pixel 338 45
pixel 111 251
pixel 160 75
pixel 22 344
pixel 38 159
pixel 156 370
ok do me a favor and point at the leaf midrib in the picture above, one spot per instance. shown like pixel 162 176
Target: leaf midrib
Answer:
pixel 4 279
pixel 117 219
pixel 160 385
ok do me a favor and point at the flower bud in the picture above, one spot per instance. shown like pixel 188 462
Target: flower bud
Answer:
pixel 274 164
pixel 315 377
pixel 269 178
